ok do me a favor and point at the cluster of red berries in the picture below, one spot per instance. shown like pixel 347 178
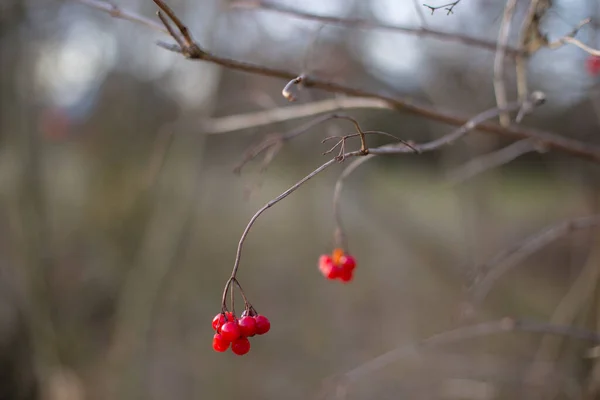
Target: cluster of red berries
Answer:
pixel 593 65
pixel 338 265
pixel 235 332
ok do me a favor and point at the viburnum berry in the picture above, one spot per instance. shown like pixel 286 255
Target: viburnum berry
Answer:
pixel 593 65
pixel 220 319
pixel 240 346
pixel 338 265
pixel 347 262
pixel 230 331
pixel 327 268
pixel 247 326
pixel 263 325
pixel 220 344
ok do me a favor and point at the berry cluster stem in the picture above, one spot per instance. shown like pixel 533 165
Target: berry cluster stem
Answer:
pixel 270 204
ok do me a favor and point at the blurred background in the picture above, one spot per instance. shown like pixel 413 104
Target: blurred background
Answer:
pixel 121 214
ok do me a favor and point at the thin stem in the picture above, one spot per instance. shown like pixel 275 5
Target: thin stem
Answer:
pixel 340 238
pixel 271 203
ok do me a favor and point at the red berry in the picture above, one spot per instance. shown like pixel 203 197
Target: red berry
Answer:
pixel 247 326
pixel 327 267
pixel 240 346
pixel 593 65
pixel 263 325
pixel 230 331
pixel 346 275
pixel 347 262
pixel 230 316
pixel 218 321
pixel 220 344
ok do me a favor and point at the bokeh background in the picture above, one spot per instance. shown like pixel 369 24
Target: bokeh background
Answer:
pixel 120 214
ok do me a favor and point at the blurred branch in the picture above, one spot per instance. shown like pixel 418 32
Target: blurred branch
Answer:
pixel 499 87
pixel 549 140
pixel 261 118
pixel 511 257
pixel 569 307
pixel 116 12
pixel 530 40
pixel 501 326
pixel 419 12
pixel 360 23
pixel 570 39
pixel 490 161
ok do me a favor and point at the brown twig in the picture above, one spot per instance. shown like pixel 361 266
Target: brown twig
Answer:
pixel 448 7
pixel 273 143
pixel 549 140
pixel 339 234
pixel 507 259
pixel 359 23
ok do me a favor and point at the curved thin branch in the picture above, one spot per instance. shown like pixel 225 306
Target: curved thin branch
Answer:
pixel 501 326
pixel 490 161
pixel 508 259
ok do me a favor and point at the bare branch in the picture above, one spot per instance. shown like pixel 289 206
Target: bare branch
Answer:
pixel 116 12
pixel 571 305
pixel 508 259
pixel 365 24
pixel 499 87
pixel 570 39
pixel 261 118
pixel 501 326
pixel 549 140
pixel 490 161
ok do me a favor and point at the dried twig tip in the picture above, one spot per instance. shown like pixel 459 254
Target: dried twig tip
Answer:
pixel 292 86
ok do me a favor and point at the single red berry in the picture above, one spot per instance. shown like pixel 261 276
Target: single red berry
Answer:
pixel 230 331
pixel 230 316
pixel 347 262
pixel 327 267
pixel 218 321
pixel 220 344
pixel 593 65
pixel 240 346
pixel 263 325
pixel 346 275
pixel 247 326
